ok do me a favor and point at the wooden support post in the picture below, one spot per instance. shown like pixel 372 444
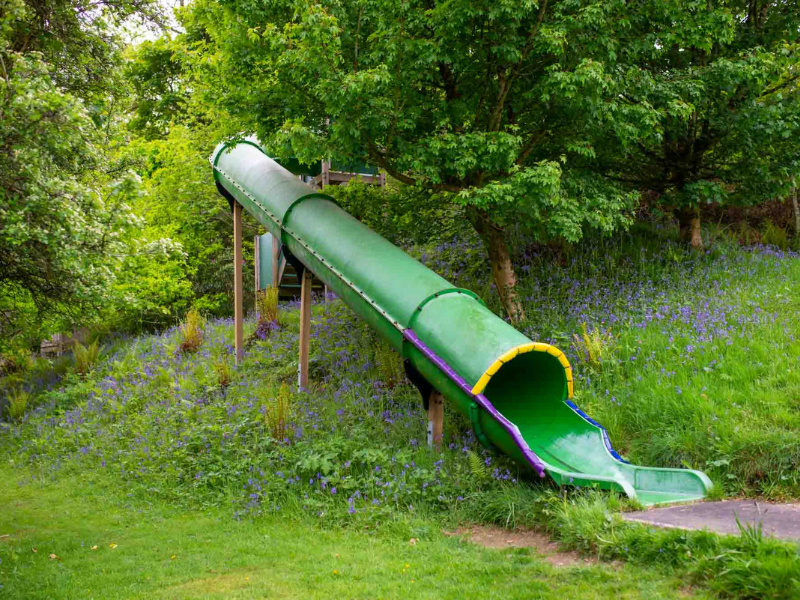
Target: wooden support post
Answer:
pixel 238 315
pixel 305 328
pixel 257 267
pixel 326 169
pixel 276 259
pixel 435 420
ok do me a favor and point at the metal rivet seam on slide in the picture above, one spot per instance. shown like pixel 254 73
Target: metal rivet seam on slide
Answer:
pixel 252 199
pixel 298 239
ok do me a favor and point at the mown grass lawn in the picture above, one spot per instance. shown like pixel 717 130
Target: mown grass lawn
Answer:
pixel 146 550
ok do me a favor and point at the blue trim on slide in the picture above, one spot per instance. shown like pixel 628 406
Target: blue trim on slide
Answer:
pixel 591 421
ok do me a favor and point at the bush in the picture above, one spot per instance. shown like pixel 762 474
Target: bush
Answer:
pixel 192 332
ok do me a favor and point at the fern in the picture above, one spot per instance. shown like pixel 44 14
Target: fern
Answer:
pixel 222 366
pixel 85 357
pixel 775 235
pixel 278 413
pixel 595 346
pixel 477 468
pixel 267 304
pixel 18 400
pixel 389 364
pixel 192 332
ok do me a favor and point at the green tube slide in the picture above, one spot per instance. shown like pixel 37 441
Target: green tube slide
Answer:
pixel 516 393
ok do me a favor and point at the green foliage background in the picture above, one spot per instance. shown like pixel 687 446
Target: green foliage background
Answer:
pixel 524 123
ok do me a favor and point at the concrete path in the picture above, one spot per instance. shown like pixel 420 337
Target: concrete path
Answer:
pixel 777 520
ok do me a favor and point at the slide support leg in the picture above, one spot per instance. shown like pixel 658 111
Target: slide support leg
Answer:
pixel 435 420
pixel 305 327
pixel 238 309
pixel 257 268
pixel 276 260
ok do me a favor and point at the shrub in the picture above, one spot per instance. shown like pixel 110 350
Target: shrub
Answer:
pixel 594 347
pixel 85 356
pixel 278 413
pixel 192 332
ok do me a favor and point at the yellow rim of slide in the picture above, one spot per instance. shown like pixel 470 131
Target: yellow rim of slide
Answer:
pixel 522 349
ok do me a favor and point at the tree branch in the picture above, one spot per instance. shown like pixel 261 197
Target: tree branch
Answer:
pixel 507 80
pixel 380 158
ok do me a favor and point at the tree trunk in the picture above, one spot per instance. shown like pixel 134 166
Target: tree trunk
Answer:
pixel 689 224
pixel 500 260
pixel 796 208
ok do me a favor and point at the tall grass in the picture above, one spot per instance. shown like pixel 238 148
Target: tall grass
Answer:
pixel 749 566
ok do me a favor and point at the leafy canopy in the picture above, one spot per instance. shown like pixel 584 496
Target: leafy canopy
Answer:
pixel 477 100
pixel 64 217
pixel 719 84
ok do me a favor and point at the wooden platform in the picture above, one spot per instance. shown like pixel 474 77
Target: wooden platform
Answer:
pixel 330 177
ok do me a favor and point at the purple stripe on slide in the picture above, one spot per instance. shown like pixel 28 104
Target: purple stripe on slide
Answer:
pixel 480 399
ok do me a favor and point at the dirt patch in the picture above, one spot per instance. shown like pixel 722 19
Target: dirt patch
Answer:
pixel 495 537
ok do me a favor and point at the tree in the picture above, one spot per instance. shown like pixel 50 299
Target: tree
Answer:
pixel 63 219
pixel 174 133
pixel 716 85
pixel 159 92
pixel 485 102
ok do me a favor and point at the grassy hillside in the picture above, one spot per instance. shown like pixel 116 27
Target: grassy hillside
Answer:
pixel 688 359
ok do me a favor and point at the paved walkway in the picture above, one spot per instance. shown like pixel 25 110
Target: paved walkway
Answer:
pixel 777 520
